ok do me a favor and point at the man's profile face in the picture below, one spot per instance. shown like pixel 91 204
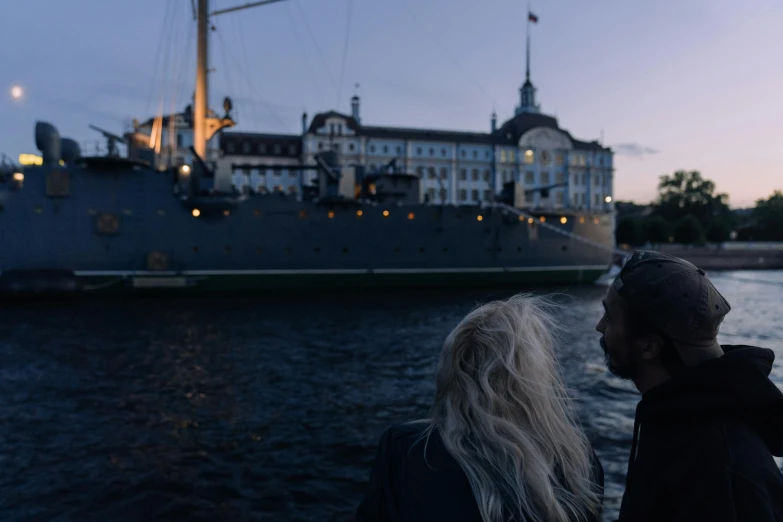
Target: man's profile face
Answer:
pixel 615 340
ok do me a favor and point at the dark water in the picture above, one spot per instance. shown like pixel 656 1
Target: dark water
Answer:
pixel 261 410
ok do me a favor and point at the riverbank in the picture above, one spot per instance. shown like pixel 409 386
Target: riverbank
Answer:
pixel 729 256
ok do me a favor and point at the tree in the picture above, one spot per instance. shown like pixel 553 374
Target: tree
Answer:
pixel 718 232
pixel 688 194
pixel 629 231
pixel 768 215
pixel 658 229
pixel 688 230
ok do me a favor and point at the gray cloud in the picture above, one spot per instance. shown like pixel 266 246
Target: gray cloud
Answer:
pixel 634 150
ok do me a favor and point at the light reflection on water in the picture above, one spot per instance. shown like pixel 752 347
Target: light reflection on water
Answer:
pixel 248 409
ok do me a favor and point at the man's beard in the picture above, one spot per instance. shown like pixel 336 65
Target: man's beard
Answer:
pixel 626 370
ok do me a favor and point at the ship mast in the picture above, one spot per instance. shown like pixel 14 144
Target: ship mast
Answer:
pixel 204 127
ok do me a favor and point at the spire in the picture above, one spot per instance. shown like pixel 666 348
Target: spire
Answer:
pixel 527 93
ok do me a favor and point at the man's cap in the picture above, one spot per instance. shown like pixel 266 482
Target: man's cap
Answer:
pixel 672 295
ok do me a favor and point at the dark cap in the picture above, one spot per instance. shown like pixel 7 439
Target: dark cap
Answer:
pixel 672 295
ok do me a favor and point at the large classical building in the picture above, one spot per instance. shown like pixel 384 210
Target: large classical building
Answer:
pixel 455 168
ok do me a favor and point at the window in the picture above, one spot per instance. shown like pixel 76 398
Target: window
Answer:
pixel 420 171
pixel 351 147
pixel 372 148
pixel 331 128
pixel 336 147
pixel 558 177
pixel 475 154
pixel 486 195
pixel 462 153
pixel 246 147
pixel 503 156
pixel 443 173
pixel 463 174
pixel 511 156
pixel 584 199
pixel 486 175
pixel 597 199
pixel 292 173
pixel 418 151
pixel 431 172
pixel 277 148
pixel 385 149
pixel 575 199
pixel 597 181
pixel 340 129
pixel 558 158
pixel 262 148
pixel 230 147
pixel 320 145
pixel 528 197
pixel 545 178
pixel 179 140
pixel 431 194
pixel 529 157
pixel 474 195
pixel 432 151
pixel 463 194
pixel 529 178
pixel 559 197
pixel 399 150
pixel 443 152
pixel 443 194
pixel 474 174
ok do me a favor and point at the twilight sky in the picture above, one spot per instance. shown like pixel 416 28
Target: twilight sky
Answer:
pixel 673 84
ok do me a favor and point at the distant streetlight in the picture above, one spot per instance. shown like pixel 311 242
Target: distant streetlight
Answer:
pixel 17 92
pixel 608 199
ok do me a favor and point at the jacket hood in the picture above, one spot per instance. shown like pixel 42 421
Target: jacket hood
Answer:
pixel 736 384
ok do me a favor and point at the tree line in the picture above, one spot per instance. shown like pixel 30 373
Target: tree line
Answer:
pixel 687 210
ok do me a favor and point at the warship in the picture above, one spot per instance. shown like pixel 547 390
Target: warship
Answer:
pixel 109 224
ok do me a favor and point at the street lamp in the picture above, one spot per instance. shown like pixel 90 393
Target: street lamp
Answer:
pixel 17 92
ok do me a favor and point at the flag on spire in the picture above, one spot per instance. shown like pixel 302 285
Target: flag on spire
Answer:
pixel 532 18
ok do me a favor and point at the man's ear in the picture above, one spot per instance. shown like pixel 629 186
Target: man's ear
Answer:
pixel 651 347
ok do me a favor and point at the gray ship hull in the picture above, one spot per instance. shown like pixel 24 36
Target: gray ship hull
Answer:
pixel 125 230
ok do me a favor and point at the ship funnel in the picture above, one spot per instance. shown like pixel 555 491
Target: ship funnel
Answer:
pixel 47 139
pixel 70 150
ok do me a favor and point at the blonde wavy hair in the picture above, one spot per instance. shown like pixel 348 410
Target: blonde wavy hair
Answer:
pixel 503 412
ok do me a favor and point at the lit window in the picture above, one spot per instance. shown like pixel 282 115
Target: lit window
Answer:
pixel 529 156
pixel 411 215
pixel 502 156
pixel 330 214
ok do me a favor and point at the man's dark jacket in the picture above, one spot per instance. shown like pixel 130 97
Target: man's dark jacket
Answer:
pixel 405 487
pixel 703 444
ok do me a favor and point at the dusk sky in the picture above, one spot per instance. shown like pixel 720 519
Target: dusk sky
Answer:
pixel 694 84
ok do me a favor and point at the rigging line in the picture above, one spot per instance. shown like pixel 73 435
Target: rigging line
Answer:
pixel 446 52
pixel 157 55
pixel 185 67
pixel 304 53
pixel 173 86
pixel 345 53
pixel 315 43
pixel 244 57
pixel 252 87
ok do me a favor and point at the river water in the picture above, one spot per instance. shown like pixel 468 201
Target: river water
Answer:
pixel 265 410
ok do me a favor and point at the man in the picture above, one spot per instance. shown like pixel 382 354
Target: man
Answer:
pixel 710 419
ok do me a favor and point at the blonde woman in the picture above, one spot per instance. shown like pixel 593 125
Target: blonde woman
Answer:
pixel 501 442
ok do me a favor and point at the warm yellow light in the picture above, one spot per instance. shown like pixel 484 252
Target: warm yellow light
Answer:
pixel 196 212
pixel 564 220
pixel 521 218
pixel 530 221
pixel 227 213
pixel 581 219
pixel 385 213
pixel 184 169
pixel 411 215
pixel 330 214
pixel 595 220
pixel 30 159
pixel 18 176
pixel 608 199
pixel 17 92
pixel 542 219
pixel 479 218
pixel 359 213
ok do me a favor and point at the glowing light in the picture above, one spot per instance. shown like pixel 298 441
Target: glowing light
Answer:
pixel 596 220
pixel 30 159
pixel 608 199
pixel 184 169
pixel 18 176
pixel 564 220
pixel 359 213
pixel 17 92
pixel 521 218
pixel 330 214
pixel 542 219
pixel 530 221
pixel 479 218
pixel 385 213
pixel 581 219
pixel 196 212
pixel 411 215
pixel 226 212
